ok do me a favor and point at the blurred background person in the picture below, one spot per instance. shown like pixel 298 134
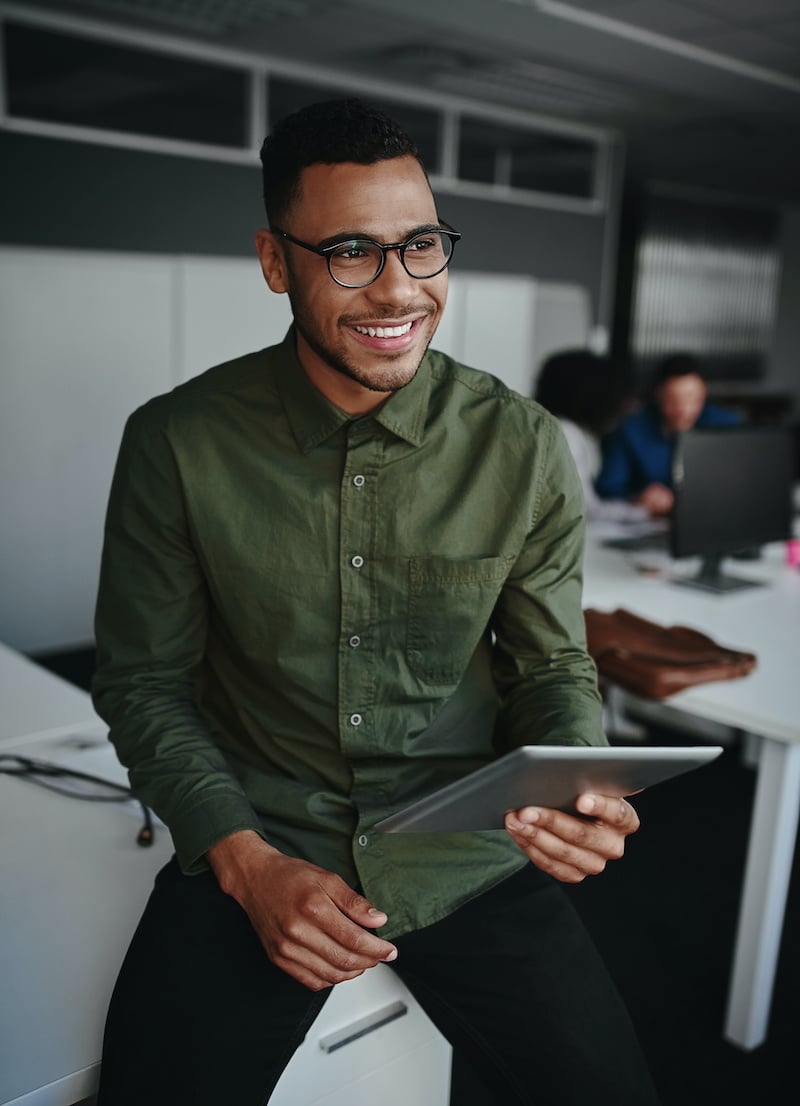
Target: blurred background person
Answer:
pixel 588 394
pixel 637 455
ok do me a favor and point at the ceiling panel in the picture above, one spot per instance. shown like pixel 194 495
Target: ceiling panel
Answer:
pixel 677 77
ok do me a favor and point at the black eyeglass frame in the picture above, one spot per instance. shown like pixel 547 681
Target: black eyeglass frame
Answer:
pixel 401 247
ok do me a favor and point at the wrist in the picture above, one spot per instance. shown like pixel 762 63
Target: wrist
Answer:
pixel 232 860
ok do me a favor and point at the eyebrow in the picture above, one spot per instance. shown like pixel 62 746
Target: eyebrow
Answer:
pixel 361 236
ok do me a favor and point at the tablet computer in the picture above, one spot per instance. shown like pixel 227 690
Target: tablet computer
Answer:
pixel 544 775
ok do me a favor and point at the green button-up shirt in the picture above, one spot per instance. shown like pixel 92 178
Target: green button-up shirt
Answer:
pixel 307 620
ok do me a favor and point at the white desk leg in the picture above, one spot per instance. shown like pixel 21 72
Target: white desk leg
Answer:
pixel 773 831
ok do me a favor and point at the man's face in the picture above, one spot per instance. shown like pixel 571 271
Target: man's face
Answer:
pixel 681 400
pixel 386 201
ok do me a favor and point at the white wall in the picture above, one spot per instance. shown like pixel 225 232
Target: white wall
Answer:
pixel 85 337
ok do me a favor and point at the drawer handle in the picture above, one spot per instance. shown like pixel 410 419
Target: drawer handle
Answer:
pixel 362 1026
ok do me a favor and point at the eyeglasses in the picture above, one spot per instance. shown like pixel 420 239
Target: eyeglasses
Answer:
pixel 357 262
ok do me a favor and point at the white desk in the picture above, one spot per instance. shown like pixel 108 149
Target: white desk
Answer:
pixel 73 883
pixel 37 702
pixel 766 621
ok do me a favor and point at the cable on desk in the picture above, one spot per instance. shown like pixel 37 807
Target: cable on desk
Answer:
pixel 41 771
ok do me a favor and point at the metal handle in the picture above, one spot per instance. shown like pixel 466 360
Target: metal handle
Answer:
pixel 362 1026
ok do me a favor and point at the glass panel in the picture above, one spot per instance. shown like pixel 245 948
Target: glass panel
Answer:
pixel 707 281
pixel 535 161
pixel 422 125
pixel 62 78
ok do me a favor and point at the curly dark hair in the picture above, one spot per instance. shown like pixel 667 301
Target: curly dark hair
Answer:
pixel 328 132
pixel 582 386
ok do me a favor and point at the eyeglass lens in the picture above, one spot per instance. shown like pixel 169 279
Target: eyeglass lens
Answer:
pixel 358 262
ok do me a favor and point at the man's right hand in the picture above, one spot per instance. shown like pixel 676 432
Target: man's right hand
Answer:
pixel 656 499
pixel 309 921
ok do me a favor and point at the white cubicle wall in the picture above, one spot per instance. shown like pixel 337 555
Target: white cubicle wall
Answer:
pixel 85 337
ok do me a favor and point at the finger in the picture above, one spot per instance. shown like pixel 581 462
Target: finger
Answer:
pixel 320 959
pixel 358 908
pixel 611 810
pixel 563 872
pixel 575 842
pixel 584 833
pixel 563 859
pixel 314 974
pixel 323 926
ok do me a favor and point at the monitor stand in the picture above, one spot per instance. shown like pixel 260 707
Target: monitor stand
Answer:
pixel 712 579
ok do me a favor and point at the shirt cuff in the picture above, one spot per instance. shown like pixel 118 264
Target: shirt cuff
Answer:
pixel 196 830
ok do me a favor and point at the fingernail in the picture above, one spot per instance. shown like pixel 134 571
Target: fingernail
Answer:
pixel 375 912
pixel 392 956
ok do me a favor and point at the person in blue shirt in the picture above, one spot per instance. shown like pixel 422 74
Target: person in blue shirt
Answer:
pixel 637 455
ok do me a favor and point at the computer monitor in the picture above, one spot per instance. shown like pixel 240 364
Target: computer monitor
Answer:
pixel 733 494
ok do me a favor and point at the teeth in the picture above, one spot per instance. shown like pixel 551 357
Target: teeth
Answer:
pixel 385 331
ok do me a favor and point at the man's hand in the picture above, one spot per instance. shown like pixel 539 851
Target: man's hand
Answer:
pixel 656 499
pixel 310 922
pixel 571 848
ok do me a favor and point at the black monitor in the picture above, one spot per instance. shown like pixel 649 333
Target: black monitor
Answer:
pixel 733 494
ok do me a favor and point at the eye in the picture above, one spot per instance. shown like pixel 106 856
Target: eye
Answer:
pixel 353 251
pixel 422 244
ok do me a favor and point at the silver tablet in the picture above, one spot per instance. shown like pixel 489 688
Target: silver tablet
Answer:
pixel 544 775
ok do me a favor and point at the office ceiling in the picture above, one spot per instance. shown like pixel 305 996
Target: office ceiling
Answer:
pixel 706 92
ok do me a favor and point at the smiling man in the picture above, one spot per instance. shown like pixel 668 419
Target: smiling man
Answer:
pixel 339 573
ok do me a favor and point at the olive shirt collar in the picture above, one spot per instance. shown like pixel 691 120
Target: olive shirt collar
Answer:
pixel 313 418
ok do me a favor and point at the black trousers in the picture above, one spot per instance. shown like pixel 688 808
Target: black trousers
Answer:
pixel 200 1015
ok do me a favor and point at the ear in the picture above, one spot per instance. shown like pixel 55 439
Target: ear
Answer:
pixel 273 262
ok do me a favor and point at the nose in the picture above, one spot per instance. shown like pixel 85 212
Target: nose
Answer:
pixel 394 285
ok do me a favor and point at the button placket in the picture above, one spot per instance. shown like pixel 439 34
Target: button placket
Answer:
pixel 357 523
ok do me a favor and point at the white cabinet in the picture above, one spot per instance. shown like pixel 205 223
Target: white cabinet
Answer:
pixel 85 337
pixel 371 1043
pixel 225 309
pixel 507 325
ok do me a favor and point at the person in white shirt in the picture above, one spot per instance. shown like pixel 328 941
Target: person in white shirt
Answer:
pixel 587 393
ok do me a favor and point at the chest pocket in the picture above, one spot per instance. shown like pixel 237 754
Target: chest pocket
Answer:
pixel 449 605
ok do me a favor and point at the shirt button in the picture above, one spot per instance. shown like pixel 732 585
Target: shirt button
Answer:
pixel 359 481
pixel 355 641
pixel 356 719
pixel 357 561
pixel 363 840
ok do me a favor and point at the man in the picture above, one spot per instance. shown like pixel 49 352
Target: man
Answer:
pixel 637 461
pixel 339 573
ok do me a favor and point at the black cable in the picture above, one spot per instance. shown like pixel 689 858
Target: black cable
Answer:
pixel 38 771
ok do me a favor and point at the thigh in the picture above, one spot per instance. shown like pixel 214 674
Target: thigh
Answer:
pixel 199 1013
pixel 516 985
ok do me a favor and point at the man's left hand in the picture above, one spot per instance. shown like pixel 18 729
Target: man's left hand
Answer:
pixel 567 847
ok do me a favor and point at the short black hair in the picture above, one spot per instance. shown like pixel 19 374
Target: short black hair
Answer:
pixel 585 387
pixel 328 132
pixel 677 364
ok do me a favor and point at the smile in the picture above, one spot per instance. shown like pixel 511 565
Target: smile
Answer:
pixel 384 331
